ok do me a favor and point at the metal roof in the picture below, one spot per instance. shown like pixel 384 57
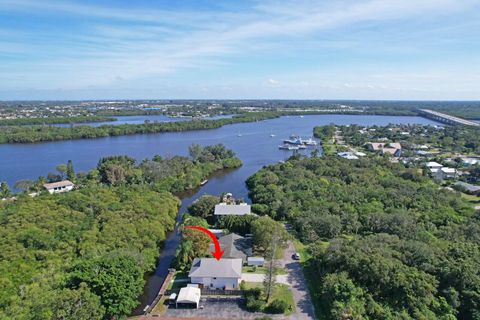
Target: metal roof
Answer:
pixel 232 209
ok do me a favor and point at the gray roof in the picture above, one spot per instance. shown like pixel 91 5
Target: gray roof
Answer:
pixel 235 246
pixel 211 267
pixel 467 186
pixel 232 209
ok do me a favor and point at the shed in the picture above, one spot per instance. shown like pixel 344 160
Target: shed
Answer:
pixel 189 297
pixel 255 261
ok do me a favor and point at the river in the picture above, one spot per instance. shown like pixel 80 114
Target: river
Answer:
pixel 252 142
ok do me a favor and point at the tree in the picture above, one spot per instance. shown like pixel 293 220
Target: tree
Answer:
pixel 204 206
pixel 271 273
pixel 70 171
pixel 5 190
pixel 23 184
pixel 264 229
pixel 116 278
pixel 62 169
pixel 79 304
pixel 195 151
pixel 341 299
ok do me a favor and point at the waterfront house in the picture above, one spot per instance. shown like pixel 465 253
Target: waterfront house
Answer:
pixel 60 186
pixel 224 209
pixel 235 247
pixel 216 274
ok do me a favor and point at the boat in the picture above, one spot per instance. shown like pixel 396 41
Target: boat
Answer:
pixel 204 182
pixel 239 135
pixel 309 142
pixel 288 147
pixel 302 146
pixel 272 135
pixel 295 142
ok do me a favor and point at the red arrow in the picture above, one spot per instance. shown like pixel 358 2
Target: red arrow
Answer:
pixel 218 252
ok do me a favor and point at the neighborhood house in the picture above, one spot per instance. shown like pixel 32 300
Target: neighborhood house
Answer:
pixel 224 209
pixel 235 247
pixel 57 187
pixel 216 274
pixel 393 148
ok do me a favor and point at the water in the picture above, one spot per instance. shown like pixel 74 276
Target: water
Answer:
pixel 138 120
pixel 251 142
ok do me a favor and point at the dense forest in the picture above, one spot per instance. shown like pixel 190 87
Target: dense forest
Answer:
pixel 384 241
pixel 83 254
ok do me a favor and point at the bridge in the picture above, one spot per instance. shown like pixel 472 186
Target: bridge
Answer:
pixel 448 119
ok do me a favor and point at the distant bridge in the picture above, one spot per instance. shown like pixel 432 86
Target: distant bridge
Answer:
pixel 448 119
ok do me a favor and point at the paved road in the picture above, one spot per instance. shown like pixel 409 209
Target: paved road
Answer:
pixel 304 307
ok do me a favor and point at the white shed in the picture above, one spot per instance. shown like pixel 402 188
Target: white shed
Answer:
pixel 189 297
pixel 255 261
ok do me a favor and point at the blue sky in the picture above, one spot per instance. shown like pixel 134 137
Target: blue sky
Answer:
pixel 290 49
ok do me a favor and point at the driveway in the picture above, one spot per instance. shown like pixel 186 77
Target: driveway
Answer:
pixel 304 306
pixel 258 277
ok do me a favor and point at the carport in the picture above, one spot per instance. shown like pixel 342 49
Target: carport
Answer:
pixel 188 297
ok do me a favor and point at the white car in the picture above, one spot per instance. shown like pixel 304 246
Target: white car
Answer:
pixel 296 256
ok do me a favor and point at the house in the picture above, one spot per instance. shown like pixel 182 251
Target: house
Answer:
pixel 235 247
pixel 224 209
pixel 58 187
pixel 188 297
pixel 216 274
pixel 393 148
pixel 468 188
pixel 255 261
pixel 444 173
pixel 433 167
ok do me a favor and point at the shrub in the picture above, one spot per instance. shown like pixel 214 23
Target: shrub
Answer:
pixel 277 306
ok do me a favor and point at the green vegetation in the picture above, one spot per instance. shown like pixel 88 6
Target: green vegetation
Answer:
pixel 83 254
pixel 282 301
pixel 54 120
pixel 30 134
pixel 383 242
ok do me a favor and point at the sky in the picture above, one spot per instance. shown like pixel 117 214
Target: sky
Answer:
pixel 202 49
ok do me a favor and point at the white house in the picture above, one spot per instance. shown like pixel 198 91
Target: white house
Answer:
pixel 224 209
pixel 216 274
pixel 58 187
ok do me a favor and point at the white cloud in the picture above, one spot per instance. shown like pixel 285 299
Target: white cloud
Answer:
pixel 159 42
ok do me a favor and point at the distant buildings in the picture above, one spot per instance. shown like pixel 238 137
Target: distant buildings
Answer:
pixel 216 274
pixel 439 172
pixel 58 187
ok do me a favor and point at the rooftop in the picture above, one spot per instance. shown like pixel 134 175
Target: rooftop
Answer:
pixel 211 267
pixel 59 184
pixel 232 209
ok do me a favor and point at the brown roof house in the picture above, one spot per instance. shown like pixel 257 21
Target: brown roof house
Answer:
pixel 60 186
pixel 393 148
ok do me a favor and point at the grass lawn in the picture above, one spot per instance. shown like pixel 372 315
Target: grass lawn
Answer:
pixel 282 292
pixel 474 200
pixel 261 270
pixel 160 307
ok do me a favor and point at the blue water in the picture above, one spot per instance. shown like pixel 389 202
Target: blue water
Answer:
pixel 138 120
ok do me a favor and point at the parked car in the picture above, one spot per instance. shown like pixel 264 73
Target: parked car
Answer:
pixel 296 256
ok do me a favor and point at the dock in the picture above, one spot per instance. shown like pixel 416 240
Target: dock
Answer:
pixel 447 119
